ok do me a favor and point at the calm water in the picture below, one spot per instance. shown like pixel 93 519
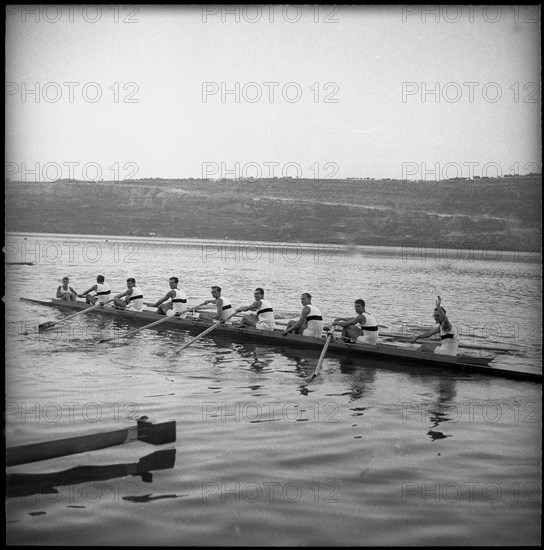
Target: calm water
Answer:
pixel 367 454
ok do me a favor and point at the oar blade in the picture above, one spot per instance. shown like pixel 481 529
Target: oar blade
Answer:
pixel 156 433
pixel 45 326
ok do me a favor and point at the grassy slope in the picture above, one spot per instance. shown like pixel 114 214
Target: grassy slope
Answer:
pixel 502 212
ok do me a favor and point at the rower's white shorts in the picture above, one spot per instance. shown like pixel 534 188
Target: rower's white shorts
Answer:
pixel 369 337
pixel 130 307
pixel 447 348
pixel 263 325
pixel 314 332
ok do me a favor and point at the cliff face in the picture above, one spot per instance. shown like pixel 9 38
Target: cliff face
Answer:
pixel 504 213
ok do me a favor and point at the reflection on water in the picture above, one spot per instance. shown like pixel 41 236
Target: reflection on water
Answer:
pixel 250 421
pixel 446 393
pixel 23 485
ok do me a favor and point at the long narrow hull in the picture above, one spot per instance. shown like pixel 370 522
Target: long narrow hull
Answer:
pixel 389 352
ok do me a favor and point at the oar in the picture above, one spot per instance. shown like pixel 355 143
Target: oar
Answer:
pixel 155 323
pixel 321 358
pixel 401 338
pixel 207 331
pixel 149 304
pixel 145 430
pixel 49 324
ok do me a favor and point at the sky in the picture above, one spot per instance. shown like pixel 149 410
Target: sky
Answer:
pixel 117 92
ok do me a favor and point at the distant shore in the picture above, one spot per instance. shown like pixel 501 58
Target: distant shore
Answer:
pixel 492 214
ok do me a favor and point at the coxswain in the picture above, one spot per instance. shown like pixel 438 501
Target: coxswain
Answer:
pixel 366 332
pixel 66 292
pixel 132 299
pixel 101 289
pixel 263 318
pixel 310 322
pixel 449 336
pixel 174 301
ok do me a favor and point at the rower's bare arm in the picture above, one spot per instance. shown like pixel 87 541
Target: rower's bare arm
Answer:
pixel 302 318
pixel 165 298
pixel 340 320
pixel 59 293
pixel 424 335
pixel 87 291
pixel 348 321
pixel 253 306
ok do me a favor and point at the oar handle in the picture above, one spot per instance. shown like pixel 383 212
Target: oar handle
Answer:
pixel 207 331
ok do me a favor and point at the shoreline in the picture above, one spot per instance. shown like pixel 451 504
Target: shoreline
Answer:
pixel 410 251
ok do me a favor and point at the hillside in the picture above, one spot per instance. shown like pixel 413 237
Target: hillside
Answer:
pixel 504 213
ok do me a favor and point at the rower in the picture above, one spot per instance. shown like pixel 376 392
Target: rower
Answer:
pixel 101 291
pixel 132 299
pixel 368 331
pixel 223 305
pixel 263 318
pixel 178 301
pixel 310 322
pixel 66 292
pixel 449 336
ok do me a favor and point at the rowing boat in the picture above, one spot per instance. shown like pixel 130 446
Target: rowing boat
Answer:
pixel 465 363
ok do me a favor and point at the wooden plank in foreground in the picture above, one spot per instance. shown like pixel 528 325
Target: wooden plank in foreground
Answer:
pixel 145 430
